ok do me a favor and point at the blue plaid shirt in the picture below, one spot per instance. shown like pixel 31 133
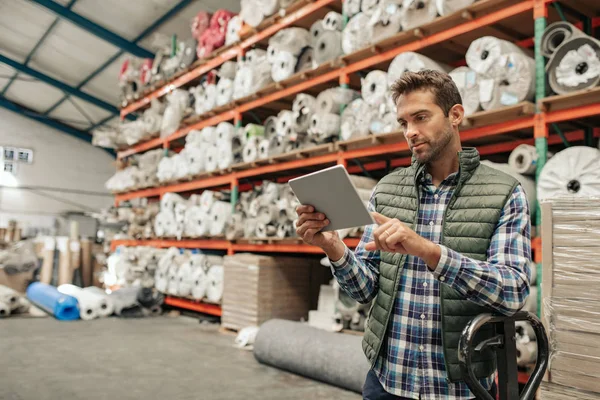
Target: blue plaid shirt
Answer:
pixel 411 361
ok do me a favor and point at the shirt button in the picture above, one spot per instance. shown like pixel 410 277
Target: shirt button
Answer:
pixel 424 284
pixel 422 316
pixel 442 278
pixel 430 223
pixel 421 348
pixel 435 196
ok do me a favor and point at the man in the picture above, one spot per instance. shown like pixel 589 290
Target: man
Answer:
pixel 452 241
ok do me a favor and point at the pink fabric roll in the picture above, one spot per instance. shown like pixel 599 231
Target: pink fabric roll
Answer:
pixel 200 23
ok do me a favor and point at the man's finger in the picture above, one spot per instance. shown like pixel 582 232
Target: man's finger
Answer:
pixel 371 246
pixel 304 208
pixel 304 217
pixel 380 234
pixel 311 225
pixel 380 219
pixel 394 240
pixel 309 235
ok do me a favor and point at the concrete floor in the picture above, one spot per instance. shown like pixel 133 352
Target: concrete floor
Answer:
pixel 155 358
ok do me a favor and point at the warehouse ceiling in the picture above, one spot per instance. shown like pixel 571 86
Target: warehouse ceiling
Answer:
pixel 60 59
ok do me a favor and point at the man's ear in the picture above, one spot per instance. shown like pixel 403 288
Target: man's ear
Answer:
pixel 456 115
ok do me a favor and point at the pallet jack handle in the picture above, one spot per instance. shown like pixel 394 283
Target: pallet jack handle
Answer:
pixel 504 343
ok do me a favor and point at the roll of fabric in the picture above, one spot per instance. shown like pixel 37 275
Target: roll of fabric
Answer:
pixel 232 34
pixel 181 165
pixel 351 7
pixel 324 126
pixel 283 66
pixel 523 159
pixel 356 119
pixel 250 14
pixel 374 88
pixel 284 230
pixel 526 182
pixel 572 172
pixel 196 222
pixel 125 302
pixel 303 107
pixel 276 145
pixel 89 303
pixel 264 231
pixel 316 30
pixel 386 123
pixel 556 34
pixel 208 135
pixel 357 34
pixel 299 348
pixel 526 353
pixel 369 7
pixel 4 310
pixel 228 70
pixel 224 132
pixel 517 83
pixel 291 40
pixel 224 92
pixel 270 127
pixel 219 217
pixel 250 79
pixel 253 130
pixel 194 157
pixel 267 213
pixel 235 227
pixel 417 12
pixel 109 306
pixel 285 123
pixel 9 297
pixel 333 21
pixel 467 82
pixel 193 138
pixel 330 101
pixel 48 298
pixel 184 276
pixel 173 281
pixel 211 162
pixel 225 157
pixel 328 47
pixel 263 149
pixel 254 57
pixel 386 21
pixel 485 56
pixel 447 7
pixel 214 291
pixel 250 227
pixel 200 23
pixel 250 152
pixel 199 283
pixel 305 60
pixel 413 62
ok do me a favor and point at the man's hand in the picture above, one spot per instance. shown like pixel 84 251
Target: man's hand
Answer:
pixel 395 237
pixel 308 228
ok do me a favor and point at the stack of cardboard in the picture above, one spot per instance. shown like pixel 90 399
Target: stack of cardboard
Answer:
pixel 258 288
pixel 571 297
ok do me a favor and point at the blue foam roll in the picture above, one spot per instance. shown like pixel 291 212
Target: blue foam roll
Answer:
pixel 49 299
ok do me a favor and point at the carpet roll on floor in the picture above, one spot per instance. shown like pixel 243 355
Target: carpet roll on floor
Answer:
pixel 333 358
pixel 90 304
pixel 49 299
pixel 110 307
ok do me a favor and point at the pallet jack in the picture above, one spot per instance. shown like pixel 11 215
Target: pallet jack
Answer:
pixel 504 344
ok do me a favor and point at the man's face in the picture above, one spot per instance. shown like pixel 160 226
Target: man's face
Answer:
pixel 426 129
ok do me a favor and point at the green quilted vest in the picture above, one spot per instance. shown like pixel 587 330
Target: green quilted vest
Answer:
pixel 469 223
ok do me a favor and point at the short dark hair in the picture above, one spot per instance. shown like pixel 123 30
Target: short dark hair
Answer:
pixel 439 83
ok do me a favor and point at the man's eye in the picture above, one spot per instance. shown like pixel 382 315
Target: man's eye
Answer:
pixel 421 118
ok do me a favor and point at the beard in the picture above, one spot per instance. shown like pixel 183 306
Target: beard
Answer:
pixel 437 147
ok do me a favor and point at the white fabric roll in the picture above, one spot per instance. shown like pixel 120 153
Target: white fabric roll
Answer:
pixel 267 214
pixel 526 353
pixel 184 276
pixel 89 303
pixel 234 26
pixel 357 34
pixel 575 66
pixel 228 70
pixel 446 7
pixel 386 123
pixel 305 60
pixel 224 132
pixel 270 127
pixel 523 159
pixel 413 62
pixel 235 227
pixel 214 292
pixel 250 79
pixel 196 222
pixel 199 283
pixel 573 172
pixel 527 183
pixel 224 154
pixel 224 91
pixel 333 21
pixel 254 57
pixel 263 149
pixel 181 165
pixel 209 135
pixel 517 85
pixel 284 230
pixel 169 200
pixel 303 107
pixel 484 56
pixel 250 12
pixel 374 88
pixel 108 306
pixel 292 40
pixel 330 100
pixel 250 152
pixel 369 7
pixel 285 123
pixel 467 82
pixel 211 163
pixel 207 199
pixel 316 30
pixel 194 157
pixel 276 145
pixel 193 138
pixel 283 66
pixel 4 310
pixel 328 47
pixel 386 21
pixel 219 217
pixel 417 12
pixel 356 119
pixel 166 170
pixel 9 297
pixel 324 126
pixel 351 7
pixel 173 279
pixel 208 98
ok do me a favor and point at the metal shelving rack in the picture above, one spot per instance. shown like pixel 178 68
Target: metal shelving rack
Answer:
pixel 492 132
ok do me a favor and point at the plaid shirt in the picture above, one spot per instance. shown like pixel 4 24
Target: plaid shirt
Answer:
pixel 411 361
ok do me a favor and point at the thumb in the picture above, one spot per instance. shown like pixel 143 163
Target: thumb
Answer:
pixel 380 219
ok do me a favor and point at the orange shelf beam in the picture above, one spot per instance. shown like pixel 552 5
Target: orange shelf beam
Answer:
pixel 198 306
pixel 227 55
pixel 573 113
pixel 140 147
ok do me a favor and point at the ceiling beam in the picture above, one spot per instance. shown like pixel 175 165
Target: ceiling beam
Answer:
pixel 95 29
pixel 52 123
pixel 58 84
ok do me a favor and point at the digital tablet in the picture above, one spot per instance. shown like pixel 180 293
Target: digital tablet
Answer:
pixel 331 192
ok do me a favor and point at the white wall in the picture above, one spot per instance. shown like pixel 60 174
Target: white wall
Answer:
pixel 59 161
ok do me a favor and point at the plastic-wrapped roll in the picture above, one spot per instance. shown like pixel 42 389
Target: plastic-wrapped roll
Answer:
pixel 263 149
pixel 254 57
pixel 207 199
pixel 333 21
pixel 276 145
pixel 169 200
pixel 523 159
pixel 467 82
pixel 211 162
pixel 387 20
pixel 219 217
pixel 484 56
pixel 4 310
pixel 9 297
pixel 107 307
pixel 292 40
pixel 305 59
pixel 89 303
pixel 228 70
pixel 572 172
pixel 324 126
pixel 196 222
pixel 416 13
pixel 48 298
pixel 285 123
pixel 214 291
pixel 369 7
pixel 250 14
pixel 225 155
pixel 181 165
pixel 284 230
pixel 526 353
pixel 531 301
pixel 267 213
pixel 575 65
pixel 252 130
pixel 199 283
pixel 250 152
pixel 328 47
pixel 224 132
pixel 270 127
pixel 316 30
pixel 232 34
pixel 283 66
pixel 250 79
pixel 193 138
pixel 173 281
pixel 413 62
pixel 357 34
pixel 237 146
pixel 526 182
pixel 446 7
pixel 224 91
pixel 264 231
pixel 303 107
pixel 351 7
pixel 374 88
pixel 386 123
pixel 331 100
pixel 208 135
pixel 235 227
pixel 184 277
pixel 356 119
pixel 517 86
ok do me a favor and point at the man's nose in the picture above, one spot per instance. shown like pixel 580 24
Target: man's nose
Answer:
pixel 411 131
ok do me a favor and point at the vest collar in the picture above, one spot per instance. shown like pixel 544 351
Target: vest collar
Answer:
pixel 468 162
